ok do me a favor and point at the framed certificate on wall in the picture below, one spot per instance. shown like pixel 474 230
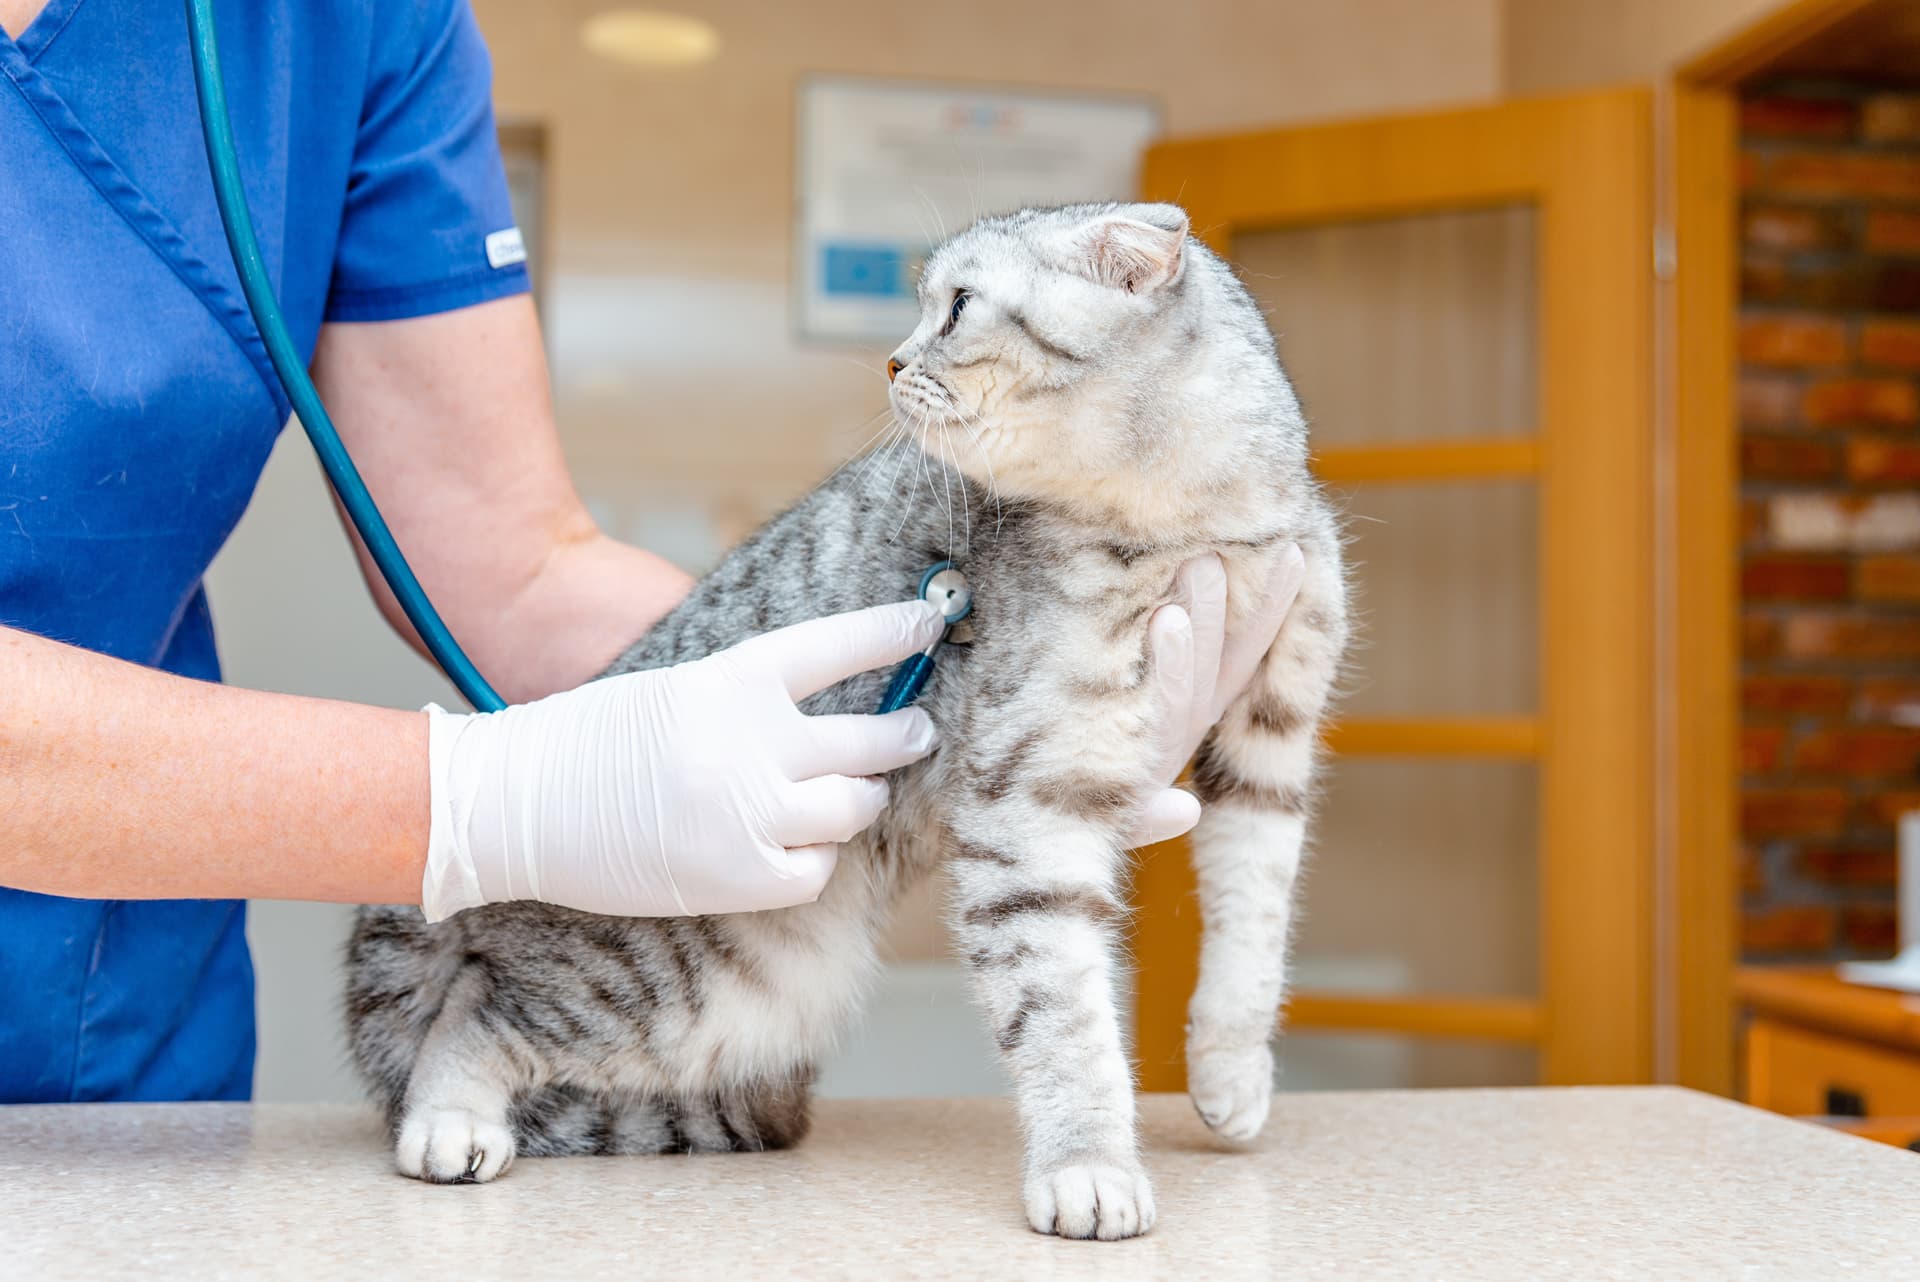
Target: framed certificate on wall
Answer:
pixel 884 169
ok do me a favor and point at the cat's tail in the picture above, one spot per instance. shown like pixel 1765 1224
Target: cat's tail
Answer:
pixel 561 1120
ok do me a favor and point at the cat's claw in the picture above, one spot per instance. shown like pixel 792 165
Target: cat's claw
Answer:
pixel 452 1146
pixel 1232 1088
pixel 1105 1202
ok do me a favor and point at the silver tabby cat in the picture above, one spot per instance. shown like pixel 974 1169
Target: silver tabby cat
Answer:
pixel 1090 398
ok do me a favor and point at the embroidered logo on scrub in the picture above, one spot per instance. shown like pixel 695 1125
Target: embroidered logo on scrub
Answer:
pixel 505 248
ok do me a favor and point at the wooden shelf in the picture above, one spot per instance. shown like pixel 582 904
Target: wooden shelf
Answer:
pixel 1515 737
pixel 1488 1019
pixel 1483 459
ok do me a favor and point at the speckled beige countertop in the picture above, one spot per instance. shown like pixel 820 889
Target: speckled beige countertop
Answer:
pixel 1650 1184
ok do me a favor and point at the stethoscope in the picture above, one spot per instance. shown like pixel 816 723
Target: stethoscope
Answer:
pixel 947 588
pixel 941 582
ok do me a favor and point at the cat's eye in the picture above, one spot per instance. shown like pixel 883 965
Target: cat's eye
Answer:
pixel 960 298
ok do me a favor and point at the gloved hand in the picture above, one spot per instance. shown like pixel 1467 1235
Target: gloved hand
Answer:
pixel 699 788
pixel 1199 668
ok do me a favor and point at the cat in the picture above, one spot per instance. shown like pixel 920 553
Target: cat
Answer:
pixel 1090 398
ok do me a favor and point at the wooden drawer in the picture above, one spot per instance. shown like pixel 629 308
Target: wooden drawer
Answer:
pixel 1792 1070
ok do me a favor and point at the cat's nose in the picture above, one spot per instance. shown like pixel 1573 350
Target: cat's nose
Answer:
pixel 893 369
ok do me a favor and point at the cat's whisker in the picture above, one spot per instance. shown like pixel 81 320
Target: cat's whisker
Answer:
pixel 946 483
pixel 968 421
pixel 973 194
pixel 946 480
pixel 875 457
pixel 914 492
pixel 882 415
pixel 916 460
pixel 925 235
pixel 886 436
pixel 939 221
pixel 926 468
pixel 867 366
pixel 966 504
pixel 950 457
pixel 899 460
pixel 885 419
pixel 867 449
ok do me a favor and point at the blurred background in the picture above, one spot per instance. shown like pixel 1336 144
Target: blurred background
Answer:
pixel 680 177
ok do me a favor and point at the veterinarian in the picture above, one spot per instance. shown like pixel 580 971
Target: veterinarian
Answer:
pixel 142 801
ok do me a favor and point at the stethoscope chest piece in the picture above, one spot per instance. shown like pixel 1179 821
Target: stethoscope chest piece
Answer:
pixel 946 587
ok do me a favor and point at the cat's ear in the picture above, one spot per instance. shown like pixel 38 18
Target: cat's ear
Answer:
pixel 1139 250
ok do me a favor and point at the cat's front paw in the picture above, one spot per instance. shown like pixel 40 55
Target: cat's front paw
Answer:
pixel 1090 1200
pixel 452 1146
pixel 1232 1087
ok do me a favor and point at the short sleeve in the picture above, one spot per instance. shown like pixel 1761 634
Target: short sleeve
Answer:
pixel 427 226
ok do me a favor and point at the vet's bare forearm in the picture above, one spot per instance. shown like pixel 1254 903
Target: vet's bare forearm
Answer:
pixel 118 782
pixel 593 598
pixel 450 421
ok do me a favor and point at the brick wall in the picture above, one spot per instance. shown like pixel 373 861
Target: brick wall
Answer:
pixel 1830 460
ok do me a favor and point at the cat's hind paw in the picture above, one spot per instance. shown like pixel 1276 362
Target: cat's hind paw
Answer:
pixel 1090 1201
pixel 1232 1088
pixel 452 1146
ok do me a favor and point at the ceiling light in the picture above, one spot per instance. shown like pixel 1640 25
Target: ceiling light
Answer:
pixel 650 38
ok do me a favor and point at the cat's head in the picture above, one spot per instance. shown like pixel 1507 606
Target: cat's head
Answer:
pixel 1086 354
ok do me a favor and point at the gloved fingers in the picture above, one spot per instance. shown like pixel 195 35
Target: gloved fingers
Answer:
pixel 1250 639
pixel 863 745
pixel 1202 587
pixel 1169 813
pixel 1170 643
pixel 808 657
pixel 806 870
pixel 831 808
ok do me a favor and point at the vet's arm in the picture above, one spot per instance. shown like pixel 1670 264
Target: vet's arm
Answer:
pixel 450 420
pixel 119 782
pixel 700 788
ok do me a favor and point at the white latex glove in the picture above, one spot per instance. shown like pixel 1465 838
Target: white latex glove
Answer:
pixel 1199 668
pixel 700 788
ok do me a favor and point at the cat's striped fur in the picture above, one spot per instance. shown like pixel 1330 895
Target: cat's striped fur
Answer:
pixel 1106 403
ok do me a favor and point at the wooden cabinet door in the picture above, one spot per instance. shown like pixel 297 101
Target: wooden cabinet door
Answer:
pixel 1465 300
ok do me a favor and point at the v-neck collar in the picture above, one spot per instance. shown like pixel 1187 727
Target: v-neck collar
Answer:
pixel 44 29
pixel 147 221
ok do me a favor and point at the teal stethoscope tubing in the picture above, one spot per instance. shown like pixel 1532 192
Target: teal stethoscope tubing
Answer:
pixel 232 199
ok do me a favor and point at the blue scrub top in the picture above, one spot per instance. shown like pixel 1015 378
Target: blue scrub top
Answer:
pixel 137 407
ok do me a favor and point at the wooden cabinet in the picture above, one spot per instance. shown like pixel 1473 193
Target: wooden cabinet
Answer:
pixel 1793 1070
pixel 1819 1047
